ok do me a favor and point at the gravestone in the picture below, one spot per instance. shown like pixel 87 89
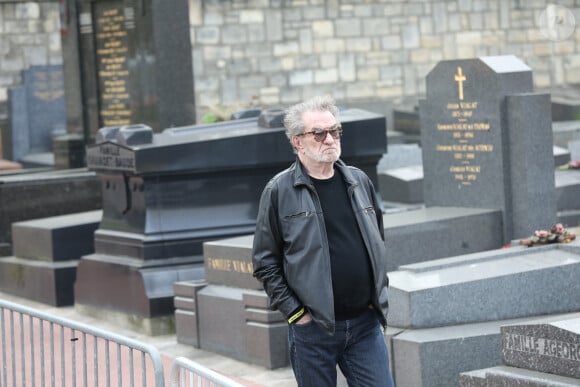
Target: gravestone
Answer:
pixel 165 194
pixel 36 115
pixel 33 194
pixel 438 293
pixel 565 132
pixel 486 140
pixel 451 310
pixel 132 61
pixel 574 148
pixel 46 255
pixel 544 352
pixel 552 347
pixel 230 310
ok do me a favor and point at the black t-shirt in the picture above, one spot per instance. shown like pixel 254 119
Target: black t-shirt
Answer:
pixel 352 282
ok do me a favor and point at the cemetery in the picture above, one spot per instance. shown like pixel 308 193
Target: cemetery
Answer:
pixel 115 202
pixel 165 245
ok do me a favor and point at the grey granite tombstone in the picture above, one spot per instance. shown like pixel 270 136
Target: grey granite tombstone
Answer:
pixel 536 352
pixel 36 113
pixel 565 131
pixel 132 61
pixel 165 194
pixel 568 197
pixel 487 142
pixel 451 310
pixel 574 148
pixel 507 283
pixel 546 346
pixel 562 155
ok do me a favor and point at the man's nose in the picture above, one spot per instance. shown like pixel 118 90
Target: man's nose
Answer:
pixel 328 135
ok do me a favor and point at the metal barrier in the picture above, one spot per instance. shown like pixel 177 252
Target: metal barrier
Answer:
pixel 185 372
pixel 39 349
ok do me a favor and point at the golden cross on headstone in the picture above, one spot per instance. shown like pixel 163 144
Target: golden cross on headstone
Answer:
pixel 460 78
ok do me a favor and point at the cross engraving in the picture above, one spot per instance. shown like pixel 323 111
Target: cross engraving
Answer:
pixel 460 78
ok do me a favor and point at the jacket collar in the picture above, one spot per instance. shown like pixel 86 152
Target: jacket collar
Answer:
pixel 302 178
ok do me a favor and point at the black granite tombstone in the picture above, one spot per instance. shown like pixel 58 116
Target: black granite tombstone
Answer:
pixel 487 142
pixel 34 194
pixel 36 114
pixel 131 60
pixel 230 313
pixel 46 255
pixel 165 194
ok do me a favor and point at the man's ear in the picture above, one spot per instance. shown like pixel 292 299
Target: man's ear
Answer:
pixel 296 143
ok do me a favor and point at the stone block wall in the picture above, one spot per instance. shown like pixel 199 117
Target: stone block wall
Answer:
pixel 29 36
pixel 271 53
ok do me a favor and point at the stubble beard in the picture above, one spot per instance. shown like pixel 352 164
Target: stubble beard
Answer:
pixel 328 157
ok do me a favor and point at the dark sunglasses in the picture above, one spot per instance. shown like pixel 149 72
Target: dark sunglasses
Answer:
pixel 320 134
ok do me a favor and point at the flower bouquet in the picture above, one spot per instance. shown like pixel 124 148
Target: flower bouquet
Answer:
pixel 557 234
pixel 574 164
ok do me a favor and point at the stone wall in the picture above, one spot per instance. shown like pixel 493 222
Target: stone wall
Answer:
pixel 29 36
pixel 271 53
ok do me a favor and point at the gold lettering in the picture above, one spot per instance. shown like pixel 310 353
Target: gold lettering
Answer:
pixel 219 264
pixel 468 105
pixel 243 267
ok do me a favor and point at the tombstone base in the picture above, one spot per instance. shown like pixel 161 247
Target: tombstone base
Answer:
pixel 46 282
pixel 135 291
pixel 232 321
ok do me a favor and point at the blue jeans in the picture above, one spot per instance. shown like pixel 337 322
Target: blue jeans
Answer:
pixel 357 346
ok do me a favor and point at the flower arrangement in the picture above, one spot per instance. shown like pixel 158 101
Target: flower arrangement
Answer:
pixel 557 234
pixel 574 164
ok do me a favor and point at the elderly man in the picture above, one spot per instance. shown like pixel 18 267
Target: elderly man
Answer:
pixel 319 252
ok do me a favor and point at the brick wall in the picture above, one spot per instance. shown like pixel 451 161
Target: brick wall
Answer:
pixel 272 53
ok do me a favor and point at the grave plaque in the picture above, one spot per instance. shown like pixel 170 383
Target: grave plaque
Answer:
pixel 546 346
pixel 486 139
pixel 136 64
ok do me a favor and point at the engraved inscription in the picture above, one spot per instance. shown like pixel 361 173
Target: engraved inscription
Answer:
pixel 112 45
pixel 110 156
pixel 463 134
pixel 227 264
pixel 542 346
pixel 47 85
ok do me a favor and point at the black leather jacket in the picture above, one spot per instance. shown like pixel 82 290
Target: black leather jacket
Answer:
pixel 290 253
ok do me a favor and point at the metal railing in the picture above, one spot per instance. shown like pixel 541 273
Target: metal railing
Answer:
pixel 185 372
pixel 39 349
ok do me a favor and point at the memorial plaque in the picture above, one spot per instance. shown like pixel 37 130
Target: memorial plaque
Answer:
pixel 546 346
pixel 112 26
pixel 483 131
pixel 463 136
pixel 136 64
